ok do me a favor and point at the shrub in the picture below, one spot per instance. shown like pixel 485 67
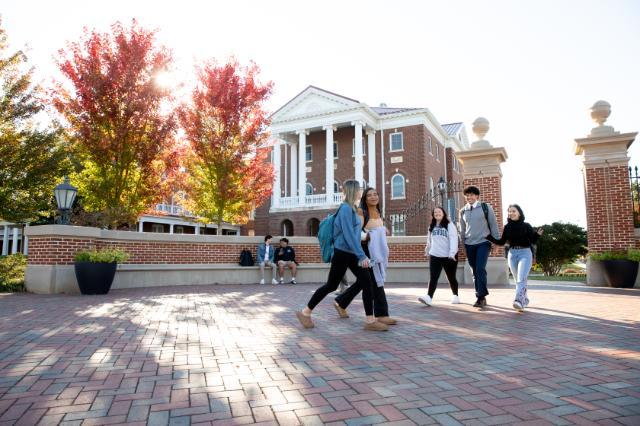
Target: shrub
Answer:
pixel 12 270
pixel 631 254
pixel 101 256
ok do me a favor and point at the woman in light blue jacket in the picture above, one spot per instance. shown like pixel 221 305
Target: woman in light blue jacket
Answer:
pixel 347 253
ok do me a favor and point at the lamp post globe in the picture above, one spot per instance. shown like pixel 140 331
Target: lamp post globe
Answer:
pixel 65 194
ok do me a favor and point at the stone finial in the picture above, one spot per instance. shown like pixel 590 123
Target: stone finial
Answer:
pixel 480 129
pixel 600 111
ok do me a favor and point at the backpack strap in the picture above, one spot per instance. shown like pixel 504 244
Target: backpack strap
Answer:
pixel 485 210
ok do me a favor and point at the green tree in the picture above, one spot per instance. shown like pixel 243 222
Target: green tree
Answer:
pixel 32 157
pixel 561 243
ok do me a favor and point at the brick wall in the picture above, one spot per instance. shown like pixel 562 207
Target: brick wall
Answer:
pixel 609 207
pixel 55 249
pixel 491 192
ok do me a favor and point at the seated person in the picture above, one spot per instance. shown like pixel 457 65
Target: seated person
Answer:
pixel 286 257
pixel 265 255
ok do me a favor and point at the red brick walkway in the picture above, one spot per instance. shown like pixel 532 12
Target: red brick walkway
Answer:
pixel 237 355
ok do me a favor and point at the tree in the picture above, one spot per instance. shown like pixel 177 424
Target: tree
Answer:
pixel 225 124
pixel 32 157
pixel 121 121
pixel 561 243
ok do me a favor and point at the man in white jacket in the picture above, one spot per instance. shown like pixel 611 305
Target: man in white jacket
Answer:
pixel 442 249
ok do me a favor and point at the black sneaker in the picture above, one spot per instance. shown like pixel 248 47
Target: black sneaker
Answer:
pixel 293 281
pixel 478 304
pixel 484 301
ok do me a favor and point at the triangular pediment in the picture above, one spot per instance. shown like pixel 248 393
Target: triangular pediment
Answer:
pixel 313 101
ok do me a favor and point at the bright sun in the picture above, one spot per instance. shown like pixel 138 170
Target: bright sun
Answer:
pixel 164 79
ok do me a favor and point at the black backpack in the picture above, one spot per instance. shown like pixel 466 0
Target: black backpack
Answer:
pixel 246 259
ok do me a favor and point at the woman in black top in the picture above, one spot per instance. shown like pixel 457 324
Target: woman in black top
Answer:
pixel 520 236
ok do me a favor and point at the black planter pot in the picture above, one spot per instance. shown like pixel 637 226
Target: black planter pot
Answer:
pixel 95 278
pixel 620 273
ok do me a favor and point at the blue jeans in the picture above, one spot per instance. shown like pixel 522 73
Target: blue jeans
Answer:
pixel 478 255
pixel 520 263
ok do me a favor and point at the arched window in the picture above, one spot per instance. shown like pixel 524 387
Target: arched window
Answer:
pixel 286 228
pixel 313 226
pixel 309 189
pixel 336 187
pixel 432 192
pixel 397 187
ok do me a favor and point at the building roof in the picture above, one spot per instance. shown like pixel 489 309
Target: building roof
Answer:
pixel 452 129
pixel 387 110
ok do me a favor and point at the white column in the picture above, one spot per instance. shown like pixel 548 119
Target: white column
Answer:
pixel 171 228
pixel 275 197
pixel 371 148
pixel 25 248
pixel 329 164
pixel 359 162
pixel 14 246
pixel 294 170
pixel 302 165
pixel 5 240
pixel 140 225
pixel 197 231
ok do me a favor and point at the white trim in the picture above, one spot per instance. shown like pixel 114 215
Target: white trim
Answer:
pixel 391 143
pixel 404 186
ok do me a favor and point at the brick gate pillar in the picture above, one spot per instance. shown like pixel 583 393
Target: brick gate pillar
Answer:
pixel 481 168
pixel 607 188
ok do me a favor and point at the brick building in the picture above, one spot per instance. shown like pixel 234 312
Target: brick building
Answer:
pixel 402 152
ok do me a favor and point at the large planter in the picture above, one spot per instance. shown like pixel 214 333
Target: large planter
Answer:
pixel 95 277
pixel 620 273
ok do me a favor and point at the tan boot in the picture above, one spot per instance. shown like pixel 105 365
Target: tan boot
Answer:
pixel 304 320
pixel 342 313
pixel 376 326
pixel 387 320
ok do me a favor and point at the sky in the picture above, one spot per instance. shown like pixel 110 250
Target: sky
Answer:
pixel 533 68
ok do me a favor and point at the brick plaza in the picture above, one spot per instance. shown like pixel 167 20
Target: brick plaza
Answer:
pixel 237 355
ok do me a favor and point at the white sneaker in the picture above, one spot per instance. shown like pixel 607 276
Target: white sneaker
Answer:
pixel 281 280
pixel 517 306
pixel 274 281
pixel 455 300
pixel 426 300
pixel 262 281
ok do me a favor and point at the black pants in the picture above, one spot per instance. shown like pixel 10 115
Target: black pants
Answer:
pixel 339 263
pixel 436 264
pixel 380 306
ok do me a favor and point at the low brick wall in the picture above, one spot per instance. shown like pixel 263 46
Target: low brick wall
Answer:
pixel 164 259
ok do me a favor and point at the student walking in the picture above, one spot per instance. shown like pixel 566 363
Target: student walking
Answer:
pixel 477 219
pixel 520 236
pixel 265 255
pixel 374 245
pixel 442 249
pixel 347 253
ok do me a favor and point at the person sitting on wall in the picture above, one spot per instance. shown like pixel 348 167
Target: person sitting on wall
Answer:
pixel 286 258
pixel 265 255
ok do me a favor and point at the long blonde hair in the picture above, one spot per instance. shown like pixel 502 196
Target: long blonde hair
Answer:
pixel 351 188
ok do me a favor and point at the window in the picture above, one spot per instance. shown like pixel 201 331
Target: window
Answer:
pixel 353 147
pixel 397 187
pixel 336 187
pixel 396 142
pixel 157 228
pixel 430 145
pixel 398 225
pixel 178 229
pixel 437 152
pixel 309 189
pixel 432 192
pixel 286 228
pixel 308 153
pixel 335 149
pixel 454 160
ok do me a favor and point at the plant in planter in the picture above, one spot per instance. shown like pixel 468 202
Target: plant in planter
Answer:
pixel 95 269
pixel 620 267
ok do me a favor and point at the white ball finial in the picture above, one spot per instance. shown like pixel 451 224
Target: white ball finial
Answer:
pixel 600 111
pixel 480 129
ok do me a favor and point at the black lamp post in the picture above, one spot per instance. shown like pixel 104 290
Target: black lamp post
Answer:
pixel 65 194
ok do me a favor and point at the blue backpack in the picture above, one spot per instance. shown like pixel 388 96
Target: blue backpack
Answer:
pixel 325 236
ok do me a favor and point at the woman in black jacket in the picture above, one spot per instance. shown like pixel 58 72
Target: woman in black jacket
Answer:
pixel 520 236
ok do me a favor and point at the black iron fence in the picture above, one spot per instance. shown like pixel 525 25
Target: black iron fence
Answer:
pixel 634 179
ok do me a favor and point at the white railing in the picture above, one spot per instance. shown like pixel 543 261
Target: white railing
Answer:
pixel 315 200
pixel 172 209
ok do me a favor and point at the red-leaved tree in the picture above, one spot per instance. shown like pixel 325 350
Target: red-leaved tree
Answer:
pixel 120 120
pixel 225 124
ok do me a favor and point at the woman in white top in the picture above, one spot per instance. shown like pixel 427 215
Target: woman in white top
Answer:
pixel 442 249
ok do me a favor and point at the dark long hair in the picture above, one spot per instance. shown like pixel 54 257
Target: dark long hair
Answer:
pixel 444 222
pixel 365 207
pixel 517 207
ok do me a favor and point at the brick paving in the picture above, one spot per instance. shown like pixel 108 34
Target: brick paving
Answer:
pixel 221 355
